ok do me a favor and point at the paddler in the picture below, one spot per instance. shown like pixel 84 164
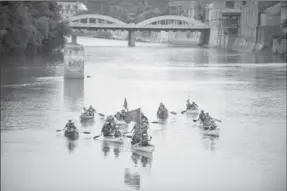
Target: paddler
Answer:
pixel 123 114
pixel 202 116
pixel 91 110
pixel 145 140
pixel 70 126
pixel 208 121
pixel 109 126
pixel 194 105
pixel 118 116
pixel 139 131
pixel 136 139
pixel 213 125
pixel 161 108
pixel 188 105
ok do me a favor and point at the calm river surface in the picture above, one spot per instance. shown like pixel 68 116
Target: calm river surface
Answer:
pixel 246 91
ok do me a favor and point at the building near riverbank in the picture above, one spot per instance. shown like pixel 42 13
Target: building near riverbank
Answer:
pixel 224 19
pixel 189 9
pixel 244 25
pixel 69 9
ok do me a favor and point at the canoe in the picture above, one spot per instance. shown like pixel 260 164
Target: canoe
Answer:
pixel 121 123
pixel 148 149
pixel 193 113
pixel 214 132
pixel 162 115
pixel 72 134
pixel 86 117
pixel 114 139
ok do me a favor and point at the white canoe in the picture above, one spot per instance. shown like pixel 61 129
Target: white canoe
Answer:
pixel 114 139
pixel 148 149
pixel 86 117
pixel 214 132
pixel 121 123
pixel 193 113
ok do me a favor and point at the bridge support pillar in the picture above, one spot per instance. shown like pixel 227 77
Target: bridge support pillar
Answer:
pixel 74 61
pixel 131 38
pixel 204 37
pixel 74 39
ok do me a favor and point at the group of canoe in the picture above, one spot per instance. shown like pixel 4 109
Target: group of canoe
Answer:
pixel 115 126
pixel 206 123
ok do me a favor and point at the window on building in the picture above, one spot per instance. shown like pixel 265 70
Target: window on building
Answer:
pixel 229 4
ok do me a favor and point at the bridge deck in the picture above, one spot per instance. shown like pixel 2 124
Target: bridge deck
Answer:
pixel 136 27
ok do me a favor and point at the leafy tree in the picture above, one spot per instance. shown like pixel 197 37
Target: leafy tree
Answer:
pixel 31 27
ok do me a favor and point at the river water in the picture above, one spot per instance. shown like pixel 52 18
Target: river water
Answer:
pixel 246 91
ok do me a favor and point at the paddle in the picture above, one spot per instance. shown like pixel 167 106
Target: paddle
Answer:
pixel 95 137
pixel 217 120
pixel 173 112
pixel 102 115
pixel 85 132
pixel 182 112
pixel 155 122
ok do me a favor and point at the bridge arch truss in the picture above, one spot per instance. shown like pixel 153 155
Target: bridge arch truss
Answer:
pixel 173 20
pixel 95 19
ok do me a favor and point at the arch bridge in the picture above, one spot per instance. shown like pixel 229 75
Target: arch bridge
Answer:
pixel 160 23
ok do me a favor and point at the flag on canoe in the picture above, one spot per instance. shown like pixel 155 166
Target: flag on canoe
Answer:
pixel 133 115
pixel 126 104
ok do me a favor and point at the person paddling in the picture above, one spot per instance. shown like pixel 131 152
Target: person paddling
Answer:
pixel 161 108
pixel 109 127
pixel 91 110
pixel 140 129
pixel 188 105
pixel 202 116
pixel 194 105
pixel 123 114
pixel 70 126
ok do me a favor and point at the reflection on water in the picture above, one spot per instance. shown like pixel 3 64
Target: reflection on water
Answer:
pixel 209 142
pixel 108 146
pixel 116 152
pixel 71 145
pixel 144 158
pixel 132 179
pixel 87 123
pixel 74 93
pixel 105 148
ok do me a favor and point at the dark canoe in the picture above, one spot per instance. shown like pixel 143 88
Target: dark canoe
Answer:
pixel 72 134
pixel 163 115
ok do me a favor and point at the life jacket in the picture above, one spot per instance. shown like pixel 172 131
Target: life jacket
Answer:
pixel 202 116
pixel 118 134
pixel 136 139
pixel 106 129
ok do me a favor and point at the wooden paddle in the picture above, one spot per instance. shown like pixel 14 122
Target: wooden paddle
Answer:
pixel 182 112
pixel 102 115
pixel 217 120
pixel 85 132
pixel 95 137
pixel 155 122
pixel 173 112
